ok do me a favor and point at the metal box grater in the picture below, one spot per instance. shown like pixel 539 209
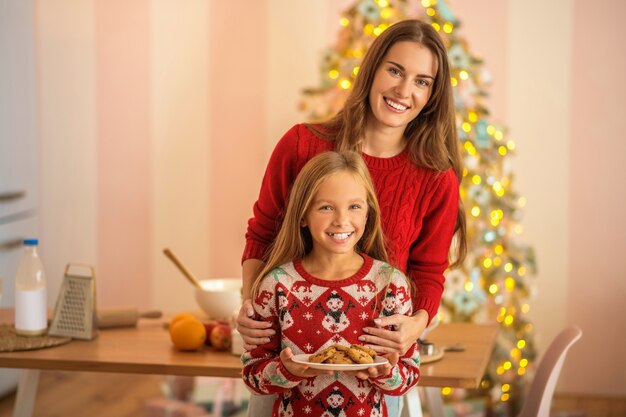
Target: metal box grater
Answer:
pixel 75 310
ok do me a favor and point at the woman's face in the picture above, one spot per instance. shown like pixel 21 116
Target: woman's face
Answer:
pixel 402 85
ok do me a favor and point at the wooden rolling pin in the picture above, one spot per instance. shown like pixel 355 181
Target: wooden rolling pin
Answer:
pixel 109 317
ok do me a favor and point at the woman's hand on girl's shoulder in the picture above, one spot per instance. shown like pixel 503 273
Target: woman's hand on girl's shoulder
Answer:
pixel 253 332
pixel 407 329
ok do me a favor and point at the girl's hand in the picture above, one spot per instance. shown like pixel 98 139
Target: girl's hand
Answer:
pixel 407 330
pixel 253 332
pixel 299 369
pixel 379 370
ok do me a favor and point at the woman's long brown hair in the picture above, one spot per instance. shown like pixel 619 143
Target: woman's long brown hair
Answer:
pixel 431 138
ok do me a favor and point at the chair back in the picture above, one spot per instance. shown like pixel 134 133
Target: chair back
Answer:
pixel 539 398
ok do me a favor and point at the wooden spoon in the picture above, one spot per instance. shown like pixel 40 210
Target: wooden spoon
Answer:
pixel 182 268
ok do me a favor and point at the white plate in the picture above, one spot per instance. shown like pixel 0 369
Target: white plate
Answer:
pixel 303 358
pixel 437 354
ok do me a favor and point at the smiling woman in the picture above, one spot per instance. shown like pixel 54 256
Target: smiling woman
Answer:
pixel 402 86
pixel 400 117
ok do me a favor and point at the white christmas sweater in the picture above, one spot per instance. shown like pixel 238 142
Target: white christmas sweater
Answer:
pixel 309 314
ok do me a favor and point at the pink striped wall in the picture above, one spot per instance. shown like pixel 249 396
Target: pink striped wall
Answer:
pixel 597 291
pixel 123 151
pixel 238 52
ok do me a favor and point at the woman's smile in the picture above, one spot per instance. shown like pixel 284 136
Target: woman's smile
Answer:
pixel 402 85
pixel 396 106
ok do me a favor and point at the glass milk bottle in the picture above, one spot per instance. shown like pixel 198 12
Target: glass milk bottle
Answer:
pixel 31 318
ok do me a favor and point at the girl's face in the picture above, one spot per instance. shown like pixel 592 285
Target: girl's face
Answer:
pixel 402 85
pixel 337 215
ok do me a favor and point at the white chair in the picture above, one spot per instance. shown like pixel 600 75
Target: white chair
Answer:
pixel 539 397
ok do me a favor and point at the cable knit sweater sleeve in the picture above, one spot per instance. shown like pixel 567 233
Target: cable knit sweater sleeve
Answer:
pixel 428 257
pixel 294 149
pixel 268 209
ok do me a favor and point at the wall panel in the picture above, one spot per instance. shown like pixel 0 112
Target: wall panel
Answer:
pixel 124 171
pixel 180 164
pixel 66 105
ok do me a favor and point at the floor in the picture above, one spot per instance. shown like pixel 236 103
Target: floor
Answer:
pixel 78 394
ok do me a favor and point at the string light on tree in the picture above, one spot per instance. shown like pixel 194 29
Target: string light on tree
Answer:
pixel 495 282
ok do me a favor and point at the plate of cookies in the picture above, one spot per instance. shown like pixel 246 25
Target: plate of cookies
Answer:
pixel 341 358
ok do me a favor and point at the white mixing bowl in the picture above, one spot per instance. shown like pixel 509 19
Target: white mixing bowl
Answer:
pixel 219 298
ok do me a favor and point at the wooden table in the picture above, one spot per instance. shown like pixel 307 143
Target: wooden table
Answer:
pixel 148 350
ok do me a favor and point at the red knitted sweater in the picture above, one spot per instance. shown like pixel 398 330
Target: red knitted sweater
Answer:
pixel 418 206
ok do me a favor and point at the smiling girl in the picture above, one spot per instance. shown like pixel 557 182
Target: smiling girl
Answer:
pixel 325 280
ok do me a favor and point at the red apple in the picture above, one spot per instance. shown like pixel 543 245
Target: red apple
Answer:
pixel 208 326
pixel 221 337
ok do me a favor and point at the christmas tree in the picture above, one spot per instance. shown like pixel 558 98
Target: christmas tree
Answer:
pixel 495 281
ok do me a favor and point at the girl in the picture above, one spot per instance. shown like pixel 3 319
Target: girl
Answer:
pixel 400 117
pixel 325 279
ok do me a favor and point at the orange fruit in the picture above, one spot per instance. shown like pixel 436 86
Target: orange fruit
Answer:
pixel 188 333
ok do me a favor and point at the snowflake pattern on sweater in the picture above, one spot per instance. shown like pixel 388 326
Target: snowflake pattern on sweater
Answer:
pixel 309 314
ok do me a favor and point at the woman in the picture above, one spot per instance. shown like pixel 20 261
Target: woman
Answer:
pixel 400 117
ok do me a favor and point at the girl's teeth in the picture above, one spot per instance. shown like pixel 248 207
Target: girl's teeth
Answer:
pixel 395 105
pixel 340 236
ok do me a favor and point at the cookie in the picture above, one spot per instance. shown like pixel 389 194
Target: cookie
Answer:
pixel 323 355
pixel 341 348
pixel 367 350
pixel 359 356
pixel 339 357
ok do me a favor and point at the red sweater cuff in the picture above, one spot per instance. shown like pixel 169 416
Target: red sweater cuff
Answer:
pixel 253 250
pixel 290 377
pixel 423 303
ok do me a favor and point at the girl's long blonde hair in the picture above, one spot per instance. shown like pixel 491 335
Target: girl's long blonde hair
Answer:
pixel 431 138
pixel 294 241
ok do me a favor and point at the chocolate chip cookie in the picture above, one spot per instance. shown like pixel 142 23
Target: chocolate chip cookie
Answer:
pixel 367 350
pixel 323 356
pixel 359 355
pixel 340 357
